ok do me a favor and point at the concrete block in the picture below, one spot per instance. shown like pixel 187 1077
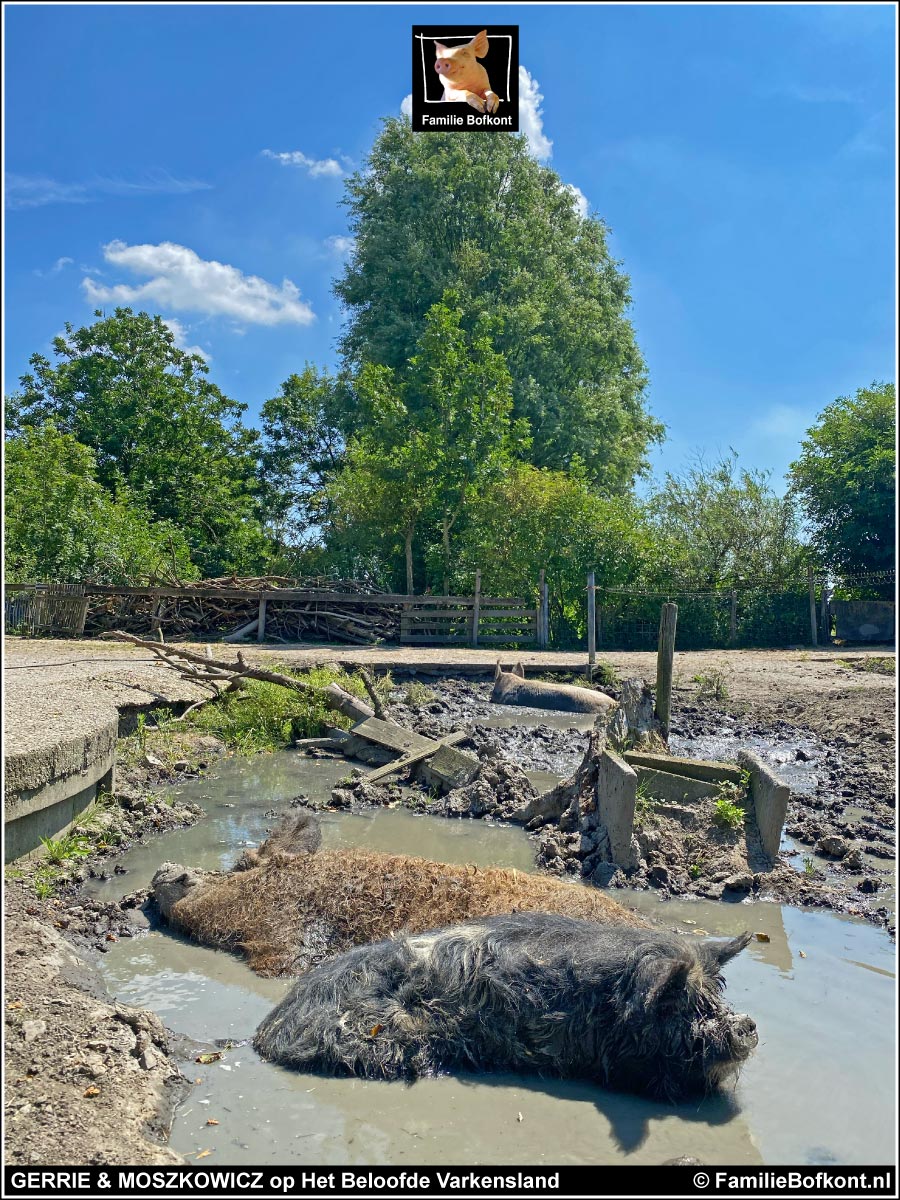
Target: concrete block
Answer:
pixel 616 791
pixel 448 768
pixel 679 789
pixel 770 796
pixel 693 768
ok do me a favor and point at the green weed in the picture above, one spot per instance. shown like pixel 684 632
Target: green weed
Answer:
pixel 44 881
pixel 57 850
pixel 711 687
pixel 266 716
pixel 728 806
pixel 418 695
pixel 809 867
pixel 695 870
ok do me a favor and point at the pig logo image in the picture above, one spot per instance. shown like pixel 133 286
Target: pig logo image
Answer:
pixel 463 77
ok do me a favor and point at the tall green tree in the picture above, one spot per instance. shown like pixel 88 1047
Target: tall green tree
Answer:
pixel 156 425
pixel 845 479
pixel 303 446
pixel 716 523
pixel 432 438
pixel 533 519
pixel 478 214
pixel 62 525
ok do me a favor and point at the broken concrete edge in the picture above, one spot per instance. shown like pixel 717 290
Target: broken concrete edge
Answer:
pixel 770 796
pixel 692 768
pixel 616 795
pixel 47 789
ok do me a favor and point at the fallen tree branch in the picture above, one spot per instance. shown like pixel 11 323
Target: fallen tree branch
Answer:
pixel 369 684
pixel 235 673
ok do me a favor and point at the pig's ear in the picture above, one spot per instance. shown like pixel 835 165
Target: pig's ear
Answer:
pixel 479 44
pixel 498 671
pixel 726 951
pixel 656 979
pixel 440 47
pixel 519 670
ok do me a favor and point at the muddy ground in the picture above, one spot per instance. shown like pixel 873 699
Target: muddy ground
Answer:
pixel 98 1082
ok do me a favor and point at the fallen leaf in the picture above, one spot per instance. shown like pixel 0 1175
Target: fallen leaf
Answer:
pixel 208 1057
pixel 211 1121
pixel 376 1029
pixel 91 1091
pixel 111 937
pixel 16 1004
pixel 802 955
pixel 198 1081
pixel 204 1154
pixel 700 932
pixel 762 937
pixel 520 1117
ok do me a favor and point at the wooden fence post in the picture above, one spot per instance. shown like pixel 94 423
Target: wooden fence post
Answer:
pixel 476 608
pixel 591 625
pixel 812 606
pixel 543 617
pixel 665 657
pixel 733 631
pixel 825 622
pixel 261 627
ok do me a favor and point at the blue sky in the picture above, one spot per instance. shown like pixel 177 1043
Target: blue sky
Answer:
pixel 743 157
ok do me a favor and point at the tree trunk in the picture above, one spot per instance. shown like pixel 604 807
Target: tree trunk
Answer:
pixel 446 539
pixel 409 562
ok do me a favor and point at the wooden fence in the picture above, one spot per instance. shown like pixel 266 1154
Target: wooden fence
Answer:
pixel 275 614
pixel 56 608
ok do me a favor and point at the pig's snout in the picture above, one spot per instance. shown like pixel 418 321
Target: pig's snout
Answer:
pixel 744 1031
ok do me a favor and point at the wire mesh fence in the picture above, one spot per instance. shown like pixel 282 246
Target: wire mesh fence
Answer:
pixel 756 613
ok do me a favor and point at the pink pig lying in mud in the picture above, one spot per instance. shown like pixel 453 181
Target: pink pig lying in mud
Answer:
pixel 511 687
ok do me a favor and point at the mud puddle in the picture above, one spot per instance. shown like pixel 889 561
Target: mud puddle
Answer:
pixel 825 1017
pixel 807 766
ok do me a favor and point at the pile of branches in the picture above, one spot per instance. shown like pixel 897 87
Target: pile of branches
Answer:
pixel 356 620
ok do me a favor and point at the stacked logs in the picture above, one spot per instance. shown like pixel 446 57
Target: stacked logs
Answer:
pixel 193 613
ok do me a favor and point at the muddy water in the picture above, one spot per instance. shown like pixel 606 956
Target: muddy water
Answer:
pixel 819 1088
pixel 803 776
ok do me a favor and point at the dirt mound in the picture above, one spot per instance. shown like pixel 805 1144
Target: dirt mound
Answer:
pixel 288 915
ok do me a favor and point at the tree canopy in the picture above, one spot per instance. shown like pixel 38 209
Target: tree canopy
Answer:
pixel 719 523
pixel 62 525
pixel 155 425
pixel 845 480
pixel 479 215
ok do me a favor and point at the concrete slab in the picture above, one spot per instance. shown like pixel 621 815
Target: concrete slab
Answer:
pixel 770 796
pixel 693 768
pixel 679 789
pixel 616 792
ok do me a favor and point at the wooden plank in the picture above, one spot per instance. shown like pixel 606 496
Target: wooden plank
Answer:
pixel 437 639
pixel 392 737
pixel 408 760
pixel 261 626
pixel 497 638
pixel 244 631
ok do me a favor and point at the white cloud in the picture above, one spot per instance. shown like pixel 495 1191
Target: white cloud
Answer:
pixel 315 167
pixel 181 280
pixel 531 118
pixel 26 191
pixel 59 265
pixel 340 245
pixel 406 106
pixel 579 200
pixel 181 334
